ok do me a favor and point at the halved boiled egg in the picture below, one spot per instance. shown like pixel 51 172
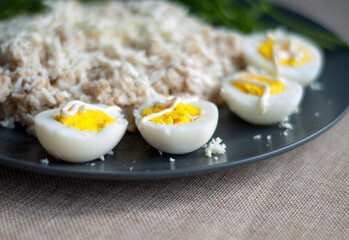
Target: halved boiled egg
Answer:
pixel 285 55
pixel 80 132
pixel 177 125
pixel 259 98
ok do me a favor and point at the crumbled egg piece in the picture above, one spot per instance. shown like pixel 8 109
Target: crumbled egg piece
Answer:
pixel 285 125
pixel 177 125
pixel 80 132
pixel 216 146
pixel 257 137
pixel 45 161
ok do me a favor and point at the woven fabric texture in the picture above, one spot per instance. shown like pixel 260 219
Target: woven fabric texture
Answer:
pixel 302 194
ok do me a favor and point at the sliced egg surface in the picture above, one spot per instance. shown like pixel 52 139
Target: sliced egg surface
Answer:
pixel 259 98
pixel 286 55
pixel 80 132
pixel 177 125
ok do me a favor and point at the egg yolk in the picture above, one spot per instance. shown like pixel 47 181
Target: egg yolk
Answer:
pixel 275 86
pixel 91 120
pixel 182 113
pixel 266 49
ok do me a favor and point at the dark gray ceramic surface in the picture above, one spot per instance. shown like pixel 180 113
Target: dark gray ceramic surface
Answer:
pixel 135 159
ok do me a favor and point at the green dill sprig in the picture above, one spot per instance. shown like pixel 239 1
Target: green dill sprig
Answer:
pixel 11 8
pixel 252 15
pixel 323 38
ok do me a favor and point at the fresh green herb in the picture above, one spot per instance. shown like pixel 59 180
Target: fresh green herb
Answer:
pixel 14 7
pixel 321 37
pixel 243 15
pixel 252 15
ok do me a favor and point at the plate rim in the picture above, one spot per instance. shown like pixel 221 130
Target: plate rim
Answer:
pixel 168 173
pixel 165 174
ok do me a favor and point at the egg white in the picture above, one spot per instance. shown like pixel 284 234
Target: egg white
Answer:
pixel 74 145
pixel 179 138
pixel 303 74
pixel 247 106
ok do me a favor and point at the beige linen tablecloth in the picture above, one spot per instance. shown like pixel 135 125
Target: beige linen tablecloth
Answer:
pixel 302 194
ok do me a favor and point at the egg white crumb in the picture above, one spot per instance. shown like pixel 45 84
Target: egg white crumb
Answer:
pixel 215 146
pixel 257 137
pixel 269 137
pixel 172 159
pixel 102 158
pixel 317 114
pixel 316 86
pixel 8 123
pixel 160 152
pixel 131 168
pixel 110 153
pixel 215 158
pixel 285 125
pixel 44 161
pixel 93 164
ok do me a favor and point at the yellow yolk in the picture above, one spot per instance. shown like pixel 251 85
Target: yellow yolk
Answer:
pixel 182 113
pixel 266 49
pixel 275 86
pixel 90 120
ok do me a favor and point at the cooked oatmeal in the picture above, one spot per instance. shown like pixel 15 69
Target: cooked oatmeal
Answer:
pixel 117 53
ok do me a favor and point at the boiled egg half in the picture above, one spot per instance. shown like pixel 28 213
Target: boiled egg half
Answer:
pixel 80 132
pixel 286 55
pixel 260 98
pixel 177 125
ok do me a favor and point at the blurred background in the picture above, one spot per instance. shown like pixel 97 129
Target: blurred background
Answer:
pixel 328 13
pixel 246 15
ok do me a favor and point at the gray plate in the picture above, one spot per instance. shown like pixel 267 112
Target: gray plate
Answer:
pixel 135 159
